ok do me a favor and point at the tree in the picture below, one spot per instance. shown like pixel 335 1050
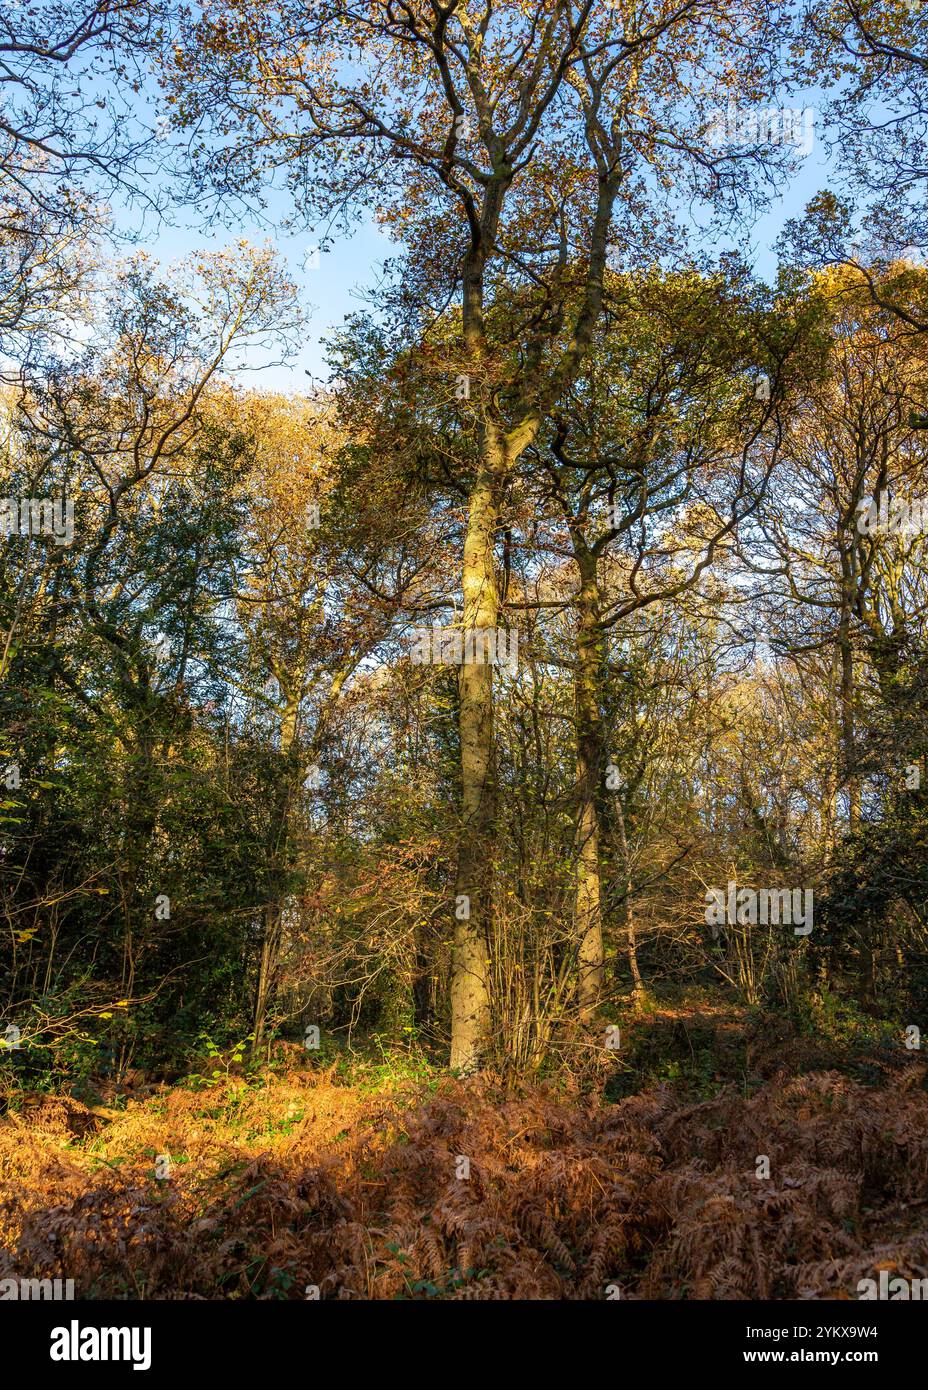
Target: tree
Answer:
pixel 844 594
pixel 652 463
pixel 873 54
pixel 116 618
pixel 70 135
pixel 507 145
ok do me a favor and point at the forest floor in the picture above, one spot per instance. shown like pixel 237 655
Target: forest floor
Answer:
pixel 645 1178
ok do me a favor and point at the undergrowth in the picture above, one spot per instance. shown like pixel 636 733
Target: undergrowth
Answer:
pixel 378 1179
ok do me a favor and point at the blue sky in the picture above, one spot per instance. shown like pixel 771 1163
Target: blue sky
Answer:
pixel 328 290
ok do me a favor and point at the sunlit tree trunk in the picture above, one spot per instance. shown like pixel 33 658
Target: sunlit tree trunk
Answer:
pixel 631 933
pixel 848 748
pixel 588 925
pixel 470 1001
pixel 278 842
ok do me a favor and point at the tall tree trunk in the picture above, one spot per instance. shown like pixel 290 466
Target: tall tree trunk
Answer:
pixel 631 934
pixel 270 954
pixel 849 758
pixel 277 853
pixel 588 924
pixel 470 997
pixel 846 654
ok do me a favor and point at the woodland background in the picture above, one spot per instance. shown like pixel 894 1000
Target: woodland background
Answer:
pixel 234 811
